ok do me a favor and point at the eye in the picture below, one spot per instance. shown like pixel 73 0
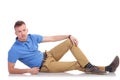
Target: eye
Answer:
pixel 19 31
pixel 24 30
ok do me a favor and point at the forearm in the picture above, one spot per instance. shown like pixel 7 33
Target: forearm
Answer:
pixel 55 38
pixel 19 71
pixel 60 37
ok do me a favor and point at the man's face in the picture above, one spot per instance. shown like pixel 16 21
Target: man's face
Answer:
pixel 21 32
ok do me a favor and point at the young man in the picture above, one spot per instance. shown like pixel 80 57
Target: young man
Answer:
pixel 25 49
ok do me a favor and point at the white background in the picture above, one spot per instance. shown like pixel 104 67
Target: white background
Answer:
pixel 95 23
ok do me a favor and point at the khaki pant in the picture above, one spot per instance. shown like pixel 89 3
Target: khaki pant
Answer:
pixel 52 63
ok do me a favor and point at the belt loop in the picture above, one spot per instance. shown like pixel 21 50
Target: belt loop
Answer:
pixel 45 51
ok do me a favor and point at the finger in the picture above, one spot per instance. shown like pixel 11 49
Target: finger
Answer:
pixel 38 69
pixel 75 42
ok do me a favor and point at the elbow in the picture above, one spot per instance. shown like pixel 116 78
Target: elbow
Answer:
pixel 10 72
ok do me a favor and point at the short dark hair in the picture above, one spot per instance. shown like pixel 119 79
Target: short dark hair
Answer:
pixel 18 23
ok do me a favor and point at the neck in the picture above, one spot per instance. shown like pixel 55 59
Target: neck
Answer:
pixel 22 40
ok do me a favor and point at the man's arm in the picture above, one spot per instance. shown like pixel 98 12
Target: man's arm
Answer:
pixel 60 37
pixel 13 70
pixel 54 38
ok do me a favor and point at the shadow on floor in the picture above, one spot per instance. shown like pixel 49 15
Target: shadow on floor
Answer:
pixel 63 75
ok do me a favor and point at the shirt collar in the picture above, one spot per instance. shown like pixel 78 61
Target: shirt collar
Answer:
pixel 22 42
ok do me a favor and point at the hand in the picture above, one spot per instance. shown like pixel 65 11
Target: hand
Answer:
pixel 34 70
pixel 74 40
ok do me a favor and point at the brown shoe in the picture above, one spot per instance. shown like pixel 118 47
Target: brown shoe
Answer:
pixel 115 63
pixel 94 70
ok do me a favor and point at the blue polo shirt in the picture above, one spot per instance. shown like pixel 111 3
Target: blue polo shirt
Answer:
pixel 27 52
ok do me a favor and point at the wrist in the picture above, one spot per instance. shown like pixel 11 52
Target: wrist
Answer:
pixel 28 70
pixel 69 36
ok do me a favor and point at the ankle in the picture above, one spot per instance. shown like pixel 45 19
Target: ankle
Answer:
pixel 108 68
pixel 89 65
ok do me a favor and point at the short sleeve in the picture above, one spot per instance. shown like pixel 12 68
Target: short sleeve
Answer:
pixel 38 38
pixel 12 57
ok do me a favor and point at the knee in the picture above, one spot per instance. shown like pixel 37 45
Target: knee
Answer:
pixel 69 42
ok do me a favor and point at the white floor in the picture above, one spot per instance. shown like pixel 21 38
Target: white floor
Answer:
pixel 69 75
pixel 95 23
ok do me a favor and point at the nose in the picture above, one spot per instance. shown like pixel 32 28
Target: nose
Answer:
pixel 22 32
